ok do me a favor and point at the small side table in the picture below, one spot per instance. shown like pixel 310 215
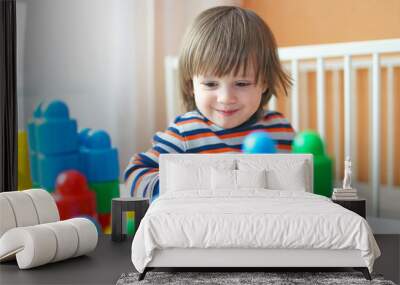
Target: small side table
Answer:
pixel 121 205
pixel 358 206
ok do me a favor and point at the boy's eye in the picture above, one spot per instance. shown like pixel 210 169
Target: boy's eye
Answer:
pixel 243 84
pixel 210 84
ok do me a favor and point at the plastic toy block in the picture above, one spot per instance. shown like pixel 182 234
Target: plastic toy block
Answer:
pixel 82 136
pixel 51 165
pixel 311 142
pixel 56 136
pixel 32 152
pixel 99 159
pixel 37 113
pixel 73 196
pixel 323 175
pixel 105 192
pixel 24 173
pixel 51 131
pixel 105 220
pixel 34 167
pixel 55 132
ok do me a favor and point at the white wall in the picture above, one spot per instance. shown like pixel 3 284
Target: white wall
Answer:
pixel 104 59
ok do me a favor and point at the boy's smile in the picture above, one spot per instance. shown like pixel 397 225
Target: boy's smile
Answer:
pixel 227 101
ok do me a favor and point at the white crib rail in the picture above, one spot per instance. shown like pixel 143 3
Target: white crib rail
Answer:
pixel 324 57
pixel 347 51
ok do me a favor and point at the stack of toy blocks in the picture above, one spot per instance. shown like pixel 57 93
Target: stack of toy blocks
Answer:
pixel 100 165
pixel 53 143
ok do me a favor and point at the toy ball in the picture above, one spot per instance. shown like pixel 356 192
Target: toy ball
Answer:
pixel 98 140
pixel 71 182
pixel 308 142
pixel 55 110
pixel 258 142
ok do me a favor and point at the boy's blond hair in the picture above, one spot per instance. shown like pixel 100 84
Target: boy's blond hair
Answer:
pixel 225 39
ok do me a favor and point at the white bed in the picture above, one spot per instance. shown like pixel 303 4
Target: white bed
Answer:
pixel 247 211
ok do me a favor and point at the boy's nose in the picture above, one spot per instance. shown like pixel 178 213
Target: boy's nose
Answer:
pixel 226 96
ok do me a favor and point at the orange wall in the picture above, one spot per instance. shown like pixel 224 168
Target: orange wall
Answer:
pixel 307 22
pixel 304 22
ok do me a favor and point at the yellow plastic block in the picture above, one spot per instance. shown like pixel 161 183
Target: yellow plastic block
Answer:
pixel 24 172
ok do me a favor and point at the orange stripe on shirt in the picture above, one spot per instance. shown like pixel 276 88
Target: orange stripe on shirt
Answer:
pixel 220 150
pixel 153 151
pixel 193 121
pixel 199 136
pixel 277 130
pixel 284 146
pixel 236 135
pixel 175 135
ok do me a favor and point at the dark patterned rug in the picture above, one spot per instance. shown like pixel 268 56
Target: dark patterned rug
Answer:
pixel 230 278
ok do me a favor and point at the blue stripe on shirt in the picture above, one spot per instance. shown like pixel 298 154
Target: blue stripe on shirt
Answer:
pixel 140 174
pixel 167 143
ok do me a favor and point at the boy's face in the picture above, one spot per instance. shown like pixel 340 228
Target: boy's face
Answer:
pixel 228 101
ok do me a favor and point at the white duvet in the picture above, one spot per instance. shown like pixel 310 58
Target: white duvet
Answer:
pixel 254 218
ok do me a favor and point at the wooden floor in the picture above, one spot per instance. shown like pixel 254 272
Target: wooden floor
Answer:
pixel 106 264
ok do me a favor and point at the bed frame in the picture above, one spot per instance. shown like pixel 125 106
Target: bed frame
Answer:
pixel 245 258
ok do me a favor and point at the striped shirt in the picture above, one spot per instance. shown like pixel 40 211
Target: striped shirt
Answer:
pixel 194 133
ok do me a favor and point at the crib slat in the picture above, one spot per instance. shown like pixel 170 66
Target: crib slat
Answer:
pixel 304 99
pixel 347 106
pixel 390 130
pixel 321 97
pixel 375 132
pixel 336 122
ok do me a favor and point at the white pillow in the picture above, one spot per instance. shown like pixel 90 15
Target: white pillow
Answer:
pixel 251 178
pixel 223 179
pixel 188 176
pixel 292 179
pixel 281 174
pixel 236 179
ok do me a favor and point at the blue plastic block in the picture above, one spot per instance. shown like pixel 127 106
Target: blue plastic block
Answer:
pixel 56 136
pixel 54 131
pixel 54 110
pixel 82 136
pixel 51 165
pixel 31 135
pixel 98 158
pixel 33 162
pixel 32 152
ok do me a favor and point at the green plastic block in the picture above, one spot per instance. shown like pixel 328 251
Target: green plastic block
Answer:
pixel 105 192
pixel 311 142
pixel 323 169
